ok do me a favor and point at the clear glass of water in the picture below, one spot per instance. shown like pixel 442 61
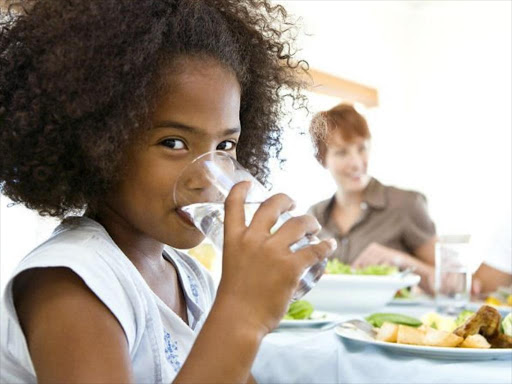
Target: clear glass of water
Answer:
pixel 453 272
pixel 200 192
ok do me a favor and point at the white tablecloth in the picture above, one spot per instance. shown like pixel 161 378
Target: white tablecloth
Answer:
pixel 322 357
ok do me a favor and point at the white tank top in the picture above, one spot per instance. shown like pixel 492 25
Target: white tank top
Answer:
pixel 158 339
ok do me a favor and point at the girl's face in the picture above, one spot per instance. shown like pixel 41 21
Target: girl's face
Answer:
pixel 347 161
pixel 199 115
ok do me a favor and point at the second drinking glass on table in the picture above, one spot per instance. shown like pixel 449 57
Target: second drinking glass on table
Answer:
pixel 453 272
pixel 202 188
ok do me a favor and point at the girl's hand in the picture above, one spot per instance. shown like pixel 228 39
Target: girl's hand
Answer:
pixel 259 272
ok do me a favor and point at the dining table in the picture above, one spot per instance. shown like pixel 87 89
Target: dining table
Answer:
pixel 319 355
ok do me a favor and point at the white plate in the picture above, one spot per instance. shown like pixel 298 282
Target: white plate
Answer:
pixel 426 351
pixel 420 300
pixel 317 318
pixel 475 306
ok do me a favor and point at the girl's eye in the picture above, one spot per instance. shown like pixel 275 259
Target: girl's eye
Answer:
pixel 174 143
pixel 226 145
pixel 341 153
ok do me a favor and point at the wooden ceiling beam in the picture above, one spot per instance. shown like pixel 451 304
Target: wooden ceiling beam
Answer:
pixel 347 90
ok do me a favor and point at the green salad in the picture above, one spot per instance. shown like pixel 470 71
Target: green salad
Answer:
pixel 404 293
pixel 299 310
pixel 336 267
pixel 463 316
pixel 506 325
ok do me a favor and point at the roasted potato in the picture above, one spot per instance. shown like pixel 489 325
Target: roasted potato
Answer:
pixel 388 332
pixel 427 336
pixel 436 338
pixel 410 335
pixel 475 341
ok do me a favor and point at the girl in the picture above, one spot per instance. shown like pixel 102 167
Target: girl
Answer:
pixel 102 103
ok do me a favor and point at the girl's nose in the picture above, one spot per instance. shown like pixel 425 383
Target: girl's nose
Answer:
pixel 208 180
pixel 196 179
pixel 191 187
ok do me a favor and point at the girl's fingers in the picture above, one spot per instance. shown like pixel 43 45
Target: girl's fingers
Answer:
pixel 234 215
pixel 296 228
pixel 312 254
pixel 269 211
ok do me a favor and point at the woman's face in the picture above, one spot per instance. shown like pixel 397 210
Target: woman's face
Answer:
pixel 199 115
pixel 347 161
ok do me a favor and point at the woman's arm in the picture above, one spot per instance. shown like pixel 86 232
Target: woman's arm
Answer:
pixel 488 279
pixel 422 261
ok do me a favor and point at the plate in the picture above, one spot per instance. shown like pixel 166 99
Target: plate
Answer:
pixel 419 300
pixel 317 318
pixel 475 306
pixel 443 353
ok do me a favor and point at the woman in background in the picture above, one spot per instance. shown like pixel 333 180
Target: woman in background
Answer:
pixel 372 223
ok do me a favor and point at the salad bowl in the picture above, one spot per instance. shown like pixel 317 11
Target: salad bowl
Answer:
pixel 358 293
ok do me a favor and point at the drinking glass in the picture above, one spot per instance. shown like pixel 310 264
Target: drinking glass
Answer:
pixel 453 271
pixel 201 189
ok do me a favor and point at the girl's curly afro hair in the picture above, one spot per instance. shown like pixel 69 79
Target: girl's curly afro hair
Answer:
pixel 79 79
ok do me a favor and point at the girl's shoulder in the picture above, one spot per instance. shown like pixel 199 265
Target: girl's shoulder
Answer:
pixel 83 246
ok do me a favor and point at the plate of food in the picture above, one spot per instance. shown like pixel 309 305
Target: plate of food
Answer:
pixel 411 296
pixel 301 314
pixel 481 335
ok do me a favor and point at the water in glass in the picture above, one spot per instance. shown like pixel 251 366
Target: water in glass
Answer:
pixel 209 219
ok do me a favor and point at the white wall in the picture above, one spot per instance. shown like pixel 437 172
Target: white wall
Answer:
pixel 443 126
pixel 21 230
pixel 462 111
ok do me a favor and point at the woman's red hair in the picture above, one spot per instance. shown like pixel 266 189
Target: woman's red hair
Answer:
pixel 342 119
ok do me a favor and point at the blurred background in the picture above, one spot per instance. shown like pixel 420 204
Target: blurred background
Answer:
pixel 433 79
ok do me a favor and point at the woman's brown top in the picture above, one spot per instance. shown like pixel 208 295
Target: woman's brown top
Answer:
pixel 390 216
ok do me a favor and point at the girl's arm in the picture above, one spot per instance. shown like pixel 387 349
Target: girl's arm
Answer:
pixel 72 336
pixel 259 276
